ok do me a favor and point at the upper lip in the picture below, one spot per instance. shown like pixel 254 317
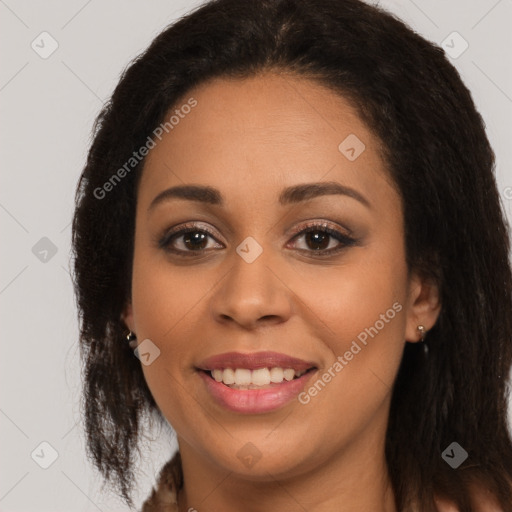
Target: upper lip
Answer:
pixel 254 361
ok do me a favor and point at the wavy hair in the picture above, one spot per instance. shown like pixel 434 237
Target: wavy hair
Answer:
pixel 438 156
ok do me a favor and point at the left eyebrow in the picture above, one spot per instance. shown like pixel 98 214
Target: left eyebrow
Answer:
pixel 290 195
pixel 307 191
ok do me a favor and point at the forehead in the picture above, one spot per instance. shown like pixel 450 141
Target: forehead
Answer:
pixel 249 136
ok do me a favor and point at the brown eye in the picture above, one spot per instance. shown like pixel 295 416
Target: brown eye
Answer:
pixel 187 240
pixel 194 240
pixel 320 239
pixel 317 240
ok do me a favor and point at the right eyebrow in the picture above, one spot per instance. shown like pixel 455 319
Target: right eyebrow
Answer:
pixel 199 193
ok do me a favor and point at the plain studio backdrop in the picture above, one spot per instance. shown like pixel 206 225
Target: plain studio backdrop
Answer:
pixel 60 61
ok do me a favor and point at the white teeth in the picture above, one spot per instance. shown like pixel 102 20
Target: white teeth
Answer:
pixel 276 375
pixel 242 377
pixel 261 377
pixel 289 374
pixel 228 376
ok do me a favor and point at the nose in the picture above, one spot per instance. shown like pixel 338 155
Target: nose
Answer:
pixel 252 294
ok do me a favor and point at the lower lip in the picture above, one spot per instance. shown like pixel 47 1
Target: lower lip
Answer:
pixel 255 401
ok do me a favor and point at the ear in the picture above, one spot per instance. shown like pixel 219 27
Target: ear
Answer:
pixel 127 317
pixel 423 306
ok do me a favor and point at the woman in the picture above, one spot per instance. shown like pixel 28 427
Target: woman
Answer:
pixel 289 211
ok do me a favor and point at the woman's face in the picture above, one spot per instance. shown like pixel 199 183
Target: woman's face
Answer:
pixel 248 278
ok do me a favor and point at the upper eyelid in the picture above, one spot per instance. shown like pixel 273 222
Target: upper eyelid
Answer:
pixel 181 229
pixel 200 225
pixel 321 224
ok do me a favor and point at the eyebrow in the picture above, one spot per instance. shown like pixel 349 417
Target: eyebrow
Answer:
pixel 290 195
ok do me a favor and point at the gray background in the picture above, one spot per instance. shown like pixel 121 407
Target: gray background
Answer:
pixel 47 109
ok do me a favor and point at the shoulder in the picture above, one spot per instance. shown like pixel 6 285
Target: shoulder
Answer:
pixel 483 500
pixel 164 496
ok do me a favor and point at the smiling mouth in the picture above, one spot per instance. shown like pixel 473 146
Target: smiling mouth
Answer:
pixel 261 378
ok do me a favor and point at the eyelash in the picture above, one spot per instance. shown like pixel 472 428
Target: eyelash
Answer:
pixel 344 239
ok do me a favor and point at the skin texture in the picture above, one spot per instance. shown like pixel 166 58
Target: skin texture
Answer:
pixel 250 139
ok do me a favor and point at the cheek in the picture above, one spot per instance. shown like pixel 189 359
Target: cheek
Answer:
pixel 163 305
pixel 360 302
pixel 165 297
pixel 368 291
pixel 359 316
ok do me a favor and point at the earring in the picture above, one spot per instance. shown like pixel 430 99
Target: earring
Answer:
pixel 422 332
pixel 131 339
